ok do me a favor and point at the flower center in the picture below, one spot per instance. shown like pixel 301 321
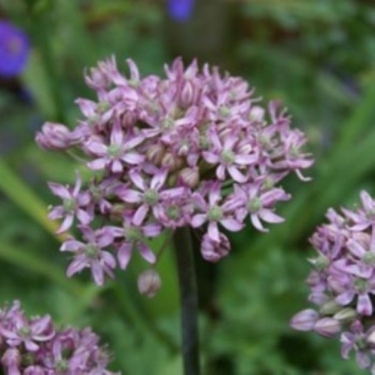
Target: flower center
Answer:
pixel 91 251
pixel 204 142
pixel 224 111
pixel 321 263
pixel 215 213
pixel 133 83
pixel 114 151
pixel 227 156
pixel 266 143
pixel 167 124
pixel 24 332
pixel 369 258
pixel 151 197
pixel 361 285
pixel 69 204
pixel 61 365
pixel 294 152
pixel 132 234
pixel 254 205
pixel 268 183
pixel 95 191
pixel 173 212
pixel 103 106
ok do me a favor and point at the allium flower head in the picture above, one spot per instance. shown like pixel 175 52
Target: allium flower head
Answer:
pixel 14 49
pixel 343 281
pixel 194 149
pixel 35 346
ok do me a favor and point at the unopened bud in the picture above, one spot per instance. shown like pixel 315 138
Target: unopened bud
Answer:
pixel 11 359
pixel 170 161
pixel 327 327
pixel 330 308
pixel 304 320
pixel 345 315
pixel 155 153
pixel 321 262
pixel 187 94
pixel 54 137
pixel 244 147
pixel 190 177
pixel 149 283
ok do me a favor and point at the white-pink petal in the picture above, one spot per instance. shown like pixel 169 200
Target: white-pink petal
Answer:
pixel 124 254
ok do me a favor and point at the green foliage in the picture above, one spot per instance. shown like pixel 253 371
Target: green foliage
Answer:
pixel 317 56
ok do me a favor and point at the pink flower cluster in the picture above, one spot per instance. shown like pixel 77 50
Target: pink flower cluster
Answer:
pixel 192 149
pixel 34 346
pixel 343 282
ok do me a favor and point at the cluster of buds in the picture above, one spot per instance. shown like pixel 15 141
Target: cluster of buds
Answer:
pixel 343 282
pixel 34 346
pixel 192 149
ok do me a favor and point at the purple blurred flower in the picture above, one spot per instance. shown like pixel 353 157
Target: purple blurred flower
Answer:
pixel 91 254
pixel 14 50
pixel 48 349
pixel 343 281
pixel 75 204
pixel 180 10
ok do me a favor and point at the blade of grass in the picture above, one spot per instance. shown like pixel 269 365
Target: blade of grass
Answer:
pixel 40 266
pixel 17 191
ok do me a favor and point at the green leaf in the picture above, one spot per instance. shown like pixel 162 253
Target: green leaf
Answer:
pixel 17 191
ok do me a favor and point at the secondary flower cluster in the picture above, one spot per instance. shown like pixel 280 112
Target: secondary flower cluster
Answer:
pixel 343 282
pixel 34 346
pixel 192 149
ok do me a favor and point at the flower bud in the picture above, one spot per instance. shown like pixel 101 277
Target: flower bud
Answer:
pixel 327 327
pixel 330 308
pixel 155 153
pixel 54 137
pixel 12 361
pixel 244 147
pixel 170 161
pixel 321 262
pixel 187 94
pixel 345 315
pixel 304 320
pixel 149 283
pixel 190 177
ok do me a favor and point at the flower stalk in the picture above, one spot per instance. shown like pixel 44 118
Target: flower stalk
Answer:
pixel 188 299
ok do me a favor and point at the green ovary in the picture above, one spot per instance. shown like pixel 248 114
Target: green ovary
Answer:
pixel 228 156
pixel 24 331
pixel 132 234
pixel 91 251
pixel 254 205
pixel 151 197
pixel 215 213
pixel 69 204
pixel 173 212
pixel 361 285
pixel 114 151
pixel 369 258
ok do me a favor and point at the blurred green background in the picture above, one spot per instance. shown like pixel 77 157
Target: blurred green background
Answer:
pixel 317 56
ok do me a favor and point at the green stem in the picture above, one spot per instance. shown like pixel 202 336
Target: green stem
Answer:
pixel 44 39
pixel 188 300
